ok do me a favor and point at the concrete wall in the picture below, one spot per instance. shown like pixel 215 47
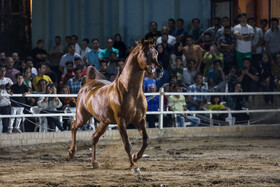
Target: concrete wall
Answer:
pixel 104 18
pixel 229 131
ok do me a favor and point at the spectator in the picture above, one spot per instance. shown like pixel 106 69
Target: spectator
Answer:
pixel 68 41
pixel 257 42
pixel 154 33
pixel 192 51
pixel 196 31
pixel 196 102
pixel 51 74
pixel 119 45
pixel 105 54
pixel 50 105
pixel 188 74
pixel 209 58
pixel 248 76
pixel 171 40
pixel 178 103
pixel 17 103
pixel 237 102
pixel 119 68
pixel 27 77
pixel 148 82
pixel 266 78
pixel 75 83
pixel 217 106
pixel 67 102
pixel 231 79
pixel 177 53
pixel 225 23
pixel 70 56
pixel 171 26
pixel 207 41
pixel 178 70
pixel 5 109
pixel 103 69
pixel 153 105
pixel 112 64
pixel 163 59
pixel 2 57
pixel 91 58
pixel 55 55
pixel 38 53
pixel 42 69
pixel 226 44
pixel 11 71
pixel 216 74
pixel 16 60
pixel 74 40
pixel 264 23
pixel 167 47
pixel 276 71
pixel 85 49
pixel 29 63
pixel 216 21
pixel 79 63
pixel 21 66
pixel 272 38
pixel 244 34
pixel 70 73
pixel 180 33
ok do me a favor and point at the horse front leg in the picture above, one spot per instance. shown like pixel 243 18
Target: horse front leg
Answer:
pixel 101 129
pixel 127 145
pixel 143 132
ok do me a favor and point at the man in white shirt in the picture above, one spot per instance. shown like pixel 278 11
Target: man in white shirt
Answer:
pixel 85 47
pixel 171 39
pixel 74 39
pixel 70 56
pixel 5 84
pixel 244 34
pixel 257 42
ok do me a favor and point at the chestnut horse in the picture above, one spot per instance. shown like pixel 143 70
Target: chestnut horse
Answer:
pixel 122 102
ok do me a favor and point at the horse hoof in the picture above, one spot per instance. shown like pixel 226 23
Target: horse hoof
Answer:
pixel 134 157
pixel 95 165
pixel 136 171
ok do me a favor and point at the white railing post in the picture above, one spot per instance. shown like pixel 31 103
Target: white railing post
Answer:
pixel 161 102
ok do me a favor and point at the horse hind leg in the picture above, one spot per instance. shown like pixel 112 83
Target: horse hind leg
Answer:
pixel 143 132
pixel 82 117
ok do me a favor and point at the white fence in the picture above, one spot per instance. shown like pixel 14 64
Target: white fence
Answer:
pixel 161 111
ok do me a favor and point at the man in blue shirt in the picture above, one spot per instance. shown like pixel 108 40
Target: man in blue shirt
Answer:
pixel 106 52
pixel 180 33
pixel 75 83
pixel 91 57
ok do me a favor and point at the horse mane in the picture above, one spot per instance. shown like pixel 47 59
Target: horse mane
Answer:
pixel 93 73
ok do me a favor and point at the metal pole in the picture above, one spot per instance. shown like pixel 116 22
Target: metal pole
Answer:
pixel 161 102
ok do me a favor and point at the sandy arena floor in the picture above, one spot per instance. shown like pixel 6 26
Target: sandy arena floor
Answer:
pixel 172 162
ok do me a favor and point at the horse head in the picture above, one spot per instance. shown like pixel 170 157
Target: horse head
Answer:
pixel 147 58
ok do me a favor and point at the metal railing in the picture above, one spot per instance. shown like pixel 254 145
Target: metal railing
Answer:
pixel 161 111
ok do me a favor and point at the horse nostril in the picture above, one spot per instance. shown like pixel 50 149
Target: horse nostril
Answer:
pixel 158 70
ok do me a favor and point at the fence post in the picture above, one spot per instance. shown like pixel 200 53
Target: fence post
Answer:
pixel 161 102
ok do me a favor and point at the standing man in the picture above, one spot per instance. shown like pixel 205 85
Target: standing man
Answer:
pixel 196 31
pixel 257 42
pixel 244 34
pixel 11 71
pixel 74 39
pixel 272 38
pixel 85 47
pixel 38 53
pixel 171 26
pixel 171 39
pixel 154 33
pixel 105 54
pixel 180 33
pixel 214 29
pixel 55 55
pixel 91 57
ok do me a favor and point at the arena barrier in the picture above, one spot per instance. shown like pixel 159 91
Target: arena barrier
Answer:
pixel 161 111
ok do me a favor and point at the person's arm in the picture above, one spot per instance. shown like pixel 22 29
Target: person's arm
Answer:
pixel 239 36
pixel 253 77
pixel 192 101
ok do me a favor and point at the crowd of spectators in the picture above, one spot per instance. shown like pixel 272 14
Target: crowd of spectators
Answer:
pixel 223 58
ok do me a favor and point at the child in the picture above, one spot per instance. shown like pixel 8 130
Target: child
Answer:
pixel 29 63
pixel 178 70
pixel 17 102
pixel 216 105
pixel 27 77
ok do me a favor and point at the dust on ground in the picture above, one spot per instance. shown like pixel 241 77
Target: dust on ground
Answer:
pixel 170 162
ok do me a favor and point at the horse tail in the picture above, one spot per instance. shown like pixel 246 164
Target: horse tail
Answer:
pixel 93 73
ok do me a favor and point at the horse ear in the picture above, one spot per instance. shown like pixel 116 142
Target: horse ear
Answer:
pixel 154 40
pixel 142 40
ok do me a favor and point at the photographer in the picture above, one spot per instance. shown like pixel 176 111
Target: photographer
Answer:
pixel 50 105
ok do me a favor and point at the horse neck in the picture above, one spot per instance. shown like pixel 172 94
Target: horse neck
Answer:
pixel 132 75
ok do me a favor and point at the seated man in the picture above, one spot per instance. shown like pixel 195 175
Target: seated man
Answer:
pixel 178 103
pixel 65 77
pixel 196 102
pixel 75 83
pixel 216 74
pixel 42 70
pixel 103 69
